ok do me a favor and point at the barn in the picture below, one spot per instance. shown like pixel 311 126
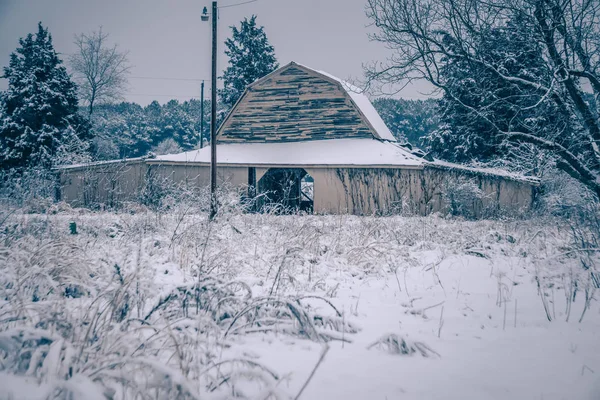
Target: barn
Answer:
pixel 303 139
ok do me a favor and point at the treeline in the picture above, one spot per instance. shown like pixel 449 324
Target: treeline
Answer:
pixel 130 130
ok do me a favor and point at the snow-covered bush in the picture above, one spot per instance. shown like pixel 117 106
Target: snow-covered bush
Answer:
pixel 167 146
pixel 158 191
pixel 395 344
pixel 559 194
pixel 105 149
pixel 464 197
pixel 29 190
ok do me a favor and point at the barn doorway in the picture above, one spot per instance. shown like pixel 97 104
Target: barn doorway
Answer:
pixel 286 191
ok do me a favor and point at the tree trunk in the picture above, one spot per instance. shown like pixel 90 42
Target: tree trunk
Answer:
pixel 91 106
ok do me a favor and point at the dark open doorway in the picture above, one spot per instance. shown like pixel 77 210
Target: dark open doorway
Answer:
pixel 286 190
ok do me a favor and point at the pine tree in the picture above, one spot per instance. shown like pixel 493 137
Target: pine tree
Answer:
pixel 39 109
pixel 408 120
pixel 250 58
pixel 123 130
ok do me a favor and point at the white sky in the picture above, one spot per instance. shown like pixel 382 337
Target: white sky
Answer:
pixel 166 39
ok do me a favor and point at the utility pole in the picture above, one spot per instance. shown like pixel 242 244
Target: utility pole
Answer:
pixel 202 114
pixel 213 111
pixel 213 117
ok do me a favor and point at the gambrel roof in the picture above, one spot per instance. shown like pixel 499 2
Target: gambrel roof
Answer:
pixel 364 105
pixel 298 116
pixel 297 103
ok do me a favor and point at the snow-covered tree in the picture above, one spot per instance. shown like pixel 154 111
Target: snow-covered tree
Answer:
pixel 124 130
pixel 408 120
pixel 39 108
pixel 424 36
pixel 167 146
pixel 180 125
pixel 130 130
pixel 251 57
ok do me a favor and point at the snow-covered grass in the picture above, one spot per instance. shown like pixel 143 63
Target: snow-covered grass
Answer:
pixel 162 306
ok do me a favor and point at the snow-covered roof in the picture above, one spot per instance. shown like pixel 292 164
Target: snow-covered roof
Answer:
pixel 101 163
pixel 328 153
pixel 485 171
pixel 334 152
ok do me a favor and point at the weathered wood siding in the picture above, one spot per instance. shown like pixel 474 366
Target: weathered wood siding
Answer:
pixel 110 185
pixel 198 176
pixel 366 191
pixel 361 191
pixel 292 105
pixel 107 184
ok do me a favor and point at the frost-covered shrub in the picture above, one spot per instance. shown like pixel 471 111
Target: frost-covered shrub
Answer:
pixel 105 149
pixel 156 190
pixel 395 344
pixel 559 194
pixel 585 235
pixel 167 146
pixel 464 197
pixel 161 193
pixel 83 316
pixel 31 190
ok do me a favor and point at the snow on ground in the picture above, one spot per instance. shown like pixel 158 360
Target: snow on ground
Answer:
pixel 465 293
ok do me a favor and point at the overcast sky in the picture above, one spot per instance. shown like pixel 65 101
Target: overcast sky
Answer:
pixel 166 39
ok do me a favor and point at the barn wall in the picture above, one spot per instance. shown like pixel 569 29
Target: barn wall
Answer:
pixel 293 105
pixel 385 190
pixel 114 183
pixel 199 175
pixel 497 193
pixel 336 190
pixel 107 184
pixel 367 190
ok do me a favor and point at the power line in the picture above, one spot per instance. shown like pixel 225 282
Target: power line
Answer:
pixel 163 95
pixel 166 79
pixel 238 4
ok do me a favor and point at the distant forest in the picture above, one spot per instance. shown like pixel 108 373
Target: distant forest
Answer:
pixel 130 130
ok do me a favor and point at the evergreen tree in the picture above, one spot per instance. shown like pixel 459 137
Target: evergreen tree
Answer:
pixel 39 109
pixel 122 130
pixel 250 57
pixel 408 120
pixel 179 125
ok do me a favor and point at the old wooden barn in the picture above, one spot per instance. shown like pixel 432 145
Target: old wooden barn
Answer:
pixel 305 140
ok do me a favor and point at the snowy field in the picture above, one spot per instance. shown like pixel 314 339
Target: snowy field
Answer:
pixel 167 306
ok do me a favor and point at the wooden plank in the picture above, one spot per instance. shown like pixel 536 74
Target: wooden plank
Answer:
pixel 293 105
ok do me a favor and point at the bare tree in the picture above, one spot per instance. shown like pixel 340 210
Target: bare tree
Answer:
pixel 100 69
pixel 426 35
